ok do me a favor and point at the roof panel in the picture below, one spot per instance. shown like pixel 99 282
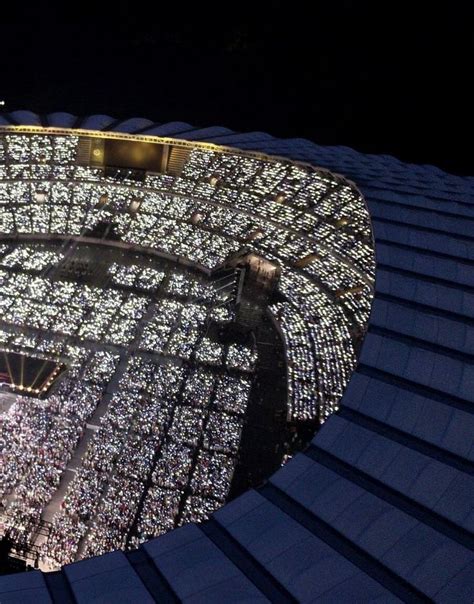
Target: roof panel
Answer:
pixel 60 119
pixel 96 122
pixel 132 125
pixel 110 573
pixel 197 570
pixel 27 118
pixel 27 588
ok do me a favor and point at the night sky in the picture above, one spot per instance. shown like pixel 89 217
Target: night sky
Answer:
pixel 378 80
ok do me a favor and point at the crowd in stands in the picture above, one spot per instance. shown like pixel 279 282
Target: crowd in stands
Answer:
pixel 169 430
pixel 38 438
pixel 166 445
pixel 165 452
pixel 294 210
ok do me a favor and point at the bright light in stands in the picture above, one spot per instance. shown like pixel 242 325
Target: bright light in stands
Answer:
pixel 183 309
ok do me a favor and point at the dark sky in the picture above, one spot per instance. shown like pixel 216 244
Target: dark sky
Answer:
pixel 379 80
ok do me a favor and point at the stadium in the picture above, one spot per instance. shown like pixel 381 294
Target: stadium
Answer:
pixel 233 367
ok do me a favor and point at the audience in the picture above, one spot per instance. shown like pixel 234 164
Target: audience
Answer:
pixel 169 400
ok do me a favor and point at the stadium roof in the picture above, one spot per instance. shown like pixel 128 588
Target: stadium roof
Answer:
pixel 380 505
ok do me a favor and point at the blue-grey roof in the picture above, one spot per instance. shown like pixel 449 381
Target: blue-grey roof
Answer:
pixel 380 507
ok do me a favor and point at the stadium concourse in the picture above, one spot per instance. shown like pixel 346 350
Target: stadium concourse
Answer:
pixel 379 506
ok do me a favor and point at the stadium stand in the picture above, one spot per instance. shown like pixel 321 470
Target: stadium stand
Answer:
pixel 379 506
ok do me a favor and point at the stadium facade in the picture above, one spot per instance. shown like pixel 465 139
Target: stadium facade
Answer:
pixel 380 504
